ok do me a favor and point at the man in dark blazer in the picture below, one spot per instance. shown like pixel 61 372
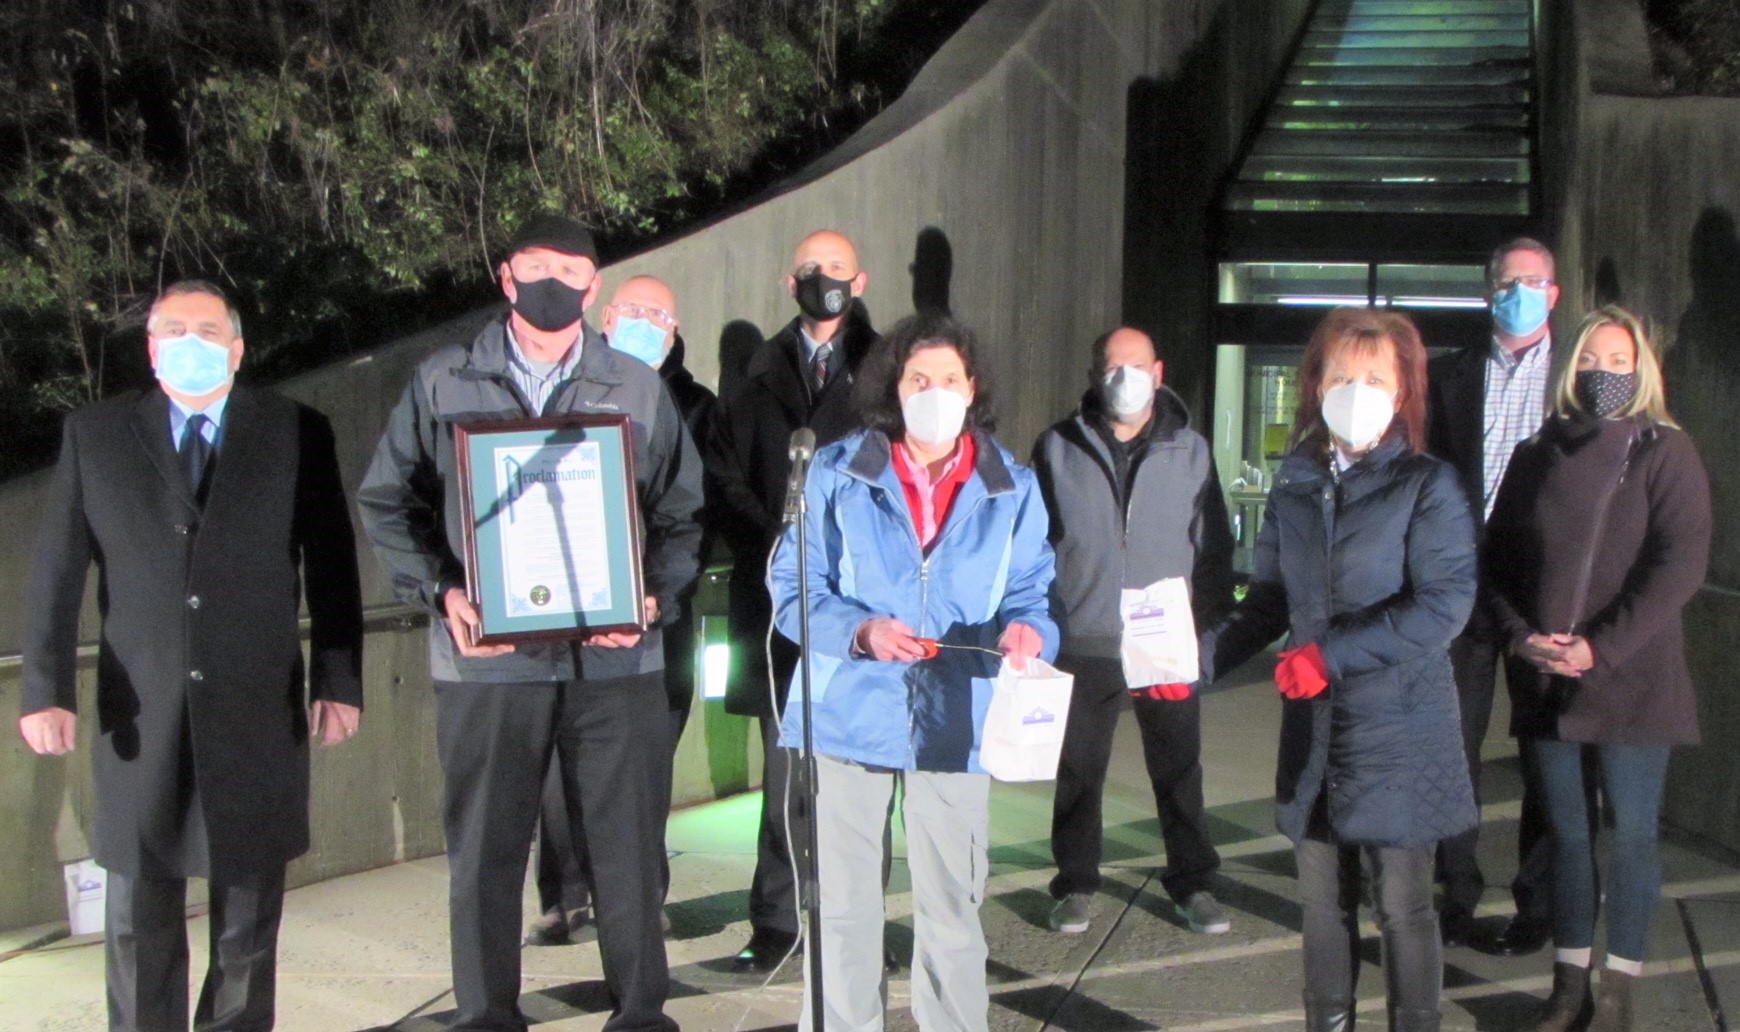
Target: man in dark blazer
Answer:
pixel 1482 403
pixel 209 511
pixel 802 377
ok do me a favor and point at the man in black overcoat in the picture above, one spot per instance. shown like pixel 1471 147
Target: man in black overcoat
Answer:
pixel 801 377
pixel 209 510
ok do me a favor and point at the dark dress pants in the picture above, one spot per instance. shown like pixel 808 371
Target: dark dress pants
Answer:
pixel 1172 748
pixel 560 870
pixel 773 889
pixel 1329 891
pixel 146 953
pixel 496 742
pixel 1474 663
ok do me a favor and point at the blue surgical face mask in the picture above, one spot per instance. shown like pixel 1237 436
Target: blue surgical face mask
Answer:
pixel 641 339
pixel 191 365
pixel 1520 310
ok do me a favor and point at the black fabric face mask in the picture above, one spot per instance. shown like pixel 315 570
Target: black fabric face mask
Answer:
pixel 549 304
pixel 1602 393
pixel 822 298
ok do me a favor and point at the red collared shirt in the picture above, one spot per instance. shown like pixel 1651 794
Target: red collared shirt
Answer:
pixel 930 499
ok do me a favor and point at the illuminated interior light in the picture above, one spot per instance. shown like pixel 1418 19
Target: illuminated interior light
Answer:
pixel 715 670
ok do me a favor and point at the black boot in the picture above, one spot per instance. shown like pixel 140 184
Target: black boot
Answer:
pixel 1326 1015
pixel 1414 1021
pixel 1613 1002
pixel 1570 1006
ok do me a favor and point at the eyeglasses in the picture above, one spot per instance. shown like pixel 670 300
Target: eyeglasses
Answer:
pixel 1532 282
pixel 656 316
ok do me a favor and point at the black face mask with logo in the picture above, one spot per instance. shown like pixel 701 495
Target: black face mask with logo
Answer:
pixel 549 304
pixel 1602 393
pixel 823 298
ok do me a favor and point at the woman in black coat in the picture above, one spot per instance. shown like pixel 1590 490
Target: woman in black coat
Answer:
pixel 1366 557
pixel 1598 538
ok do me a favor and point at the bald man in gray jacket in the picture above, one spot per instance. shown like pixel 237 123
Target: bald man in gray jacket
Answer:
pixel 1134 499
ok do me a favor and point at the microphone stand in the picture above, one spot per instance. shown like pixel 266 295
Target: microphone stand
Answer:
pixel 810 889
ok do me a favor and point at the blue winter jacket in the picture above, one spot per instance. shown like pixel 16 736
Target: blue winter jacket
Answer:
pixel 989 566
pixel 1376 567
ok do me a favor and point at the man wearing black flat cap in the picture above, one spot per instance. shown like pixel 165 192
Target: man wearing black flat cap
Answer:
pixel 501 710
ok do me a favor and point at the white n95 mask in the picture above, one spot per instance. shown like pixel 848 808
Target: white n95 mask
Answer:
pixel 934 416
pixel 1358 413
pixel 1128 390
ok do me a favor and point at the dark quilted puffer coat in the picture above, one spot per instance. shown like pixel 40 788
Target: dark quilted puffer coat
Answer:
pixel 1377 566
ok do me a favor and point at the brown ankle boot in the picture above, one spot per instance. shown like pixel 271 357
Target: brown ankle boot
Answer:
pixel 1570 1006
pixel 1613 1002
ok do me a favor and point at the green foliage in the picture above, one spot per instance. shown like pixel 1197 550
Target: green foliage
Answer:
pixel 1696 45
pixel 350 169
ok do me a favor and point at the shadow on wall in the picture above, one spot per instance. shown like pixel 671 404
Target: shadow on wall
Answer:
pixel 737 342
pixel 933 266
pixel 1181 135
pixel 1702 370
pixel 1710 325
pixel 1607 289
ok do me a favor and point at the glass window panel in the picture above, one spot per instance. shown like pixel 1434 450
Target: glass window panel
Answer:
pixel 1293 283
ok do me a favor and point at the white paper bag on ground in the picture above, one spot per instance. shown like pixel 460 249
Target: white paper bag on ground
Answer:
pixel 1024 725
pixel 86 890
pixel 1159 644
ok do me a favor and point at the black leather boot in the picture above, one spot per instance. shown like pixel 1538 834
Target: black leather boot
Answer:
pixel 1326 1015
pixel 1613 1002
pixel 1570 1006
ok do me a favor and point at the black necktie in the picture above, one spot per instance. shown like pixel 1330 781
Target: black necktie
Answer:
pixel 819 365
pixel 195 451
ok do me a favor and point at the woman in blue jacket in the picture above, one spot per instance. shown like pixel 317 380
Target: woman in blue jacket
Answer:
pixel 920 529
pixel 1366 558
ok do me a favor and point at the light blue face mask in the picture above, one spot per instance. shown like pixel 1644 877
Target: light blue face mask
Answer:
pixel 1520 310
pixel 191 365
pixel 641 339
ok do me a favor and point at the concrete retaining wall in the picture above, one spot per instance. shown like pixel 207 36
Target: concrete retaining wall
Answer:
pixel 1001 183
pixel 1651 195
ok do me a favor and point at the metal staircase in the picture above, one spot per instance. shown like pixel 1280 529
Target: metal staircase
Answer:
pixel 1403 129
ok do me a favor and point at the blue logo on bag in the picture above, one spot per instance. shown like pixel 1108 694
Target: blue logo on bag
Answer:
pixel 1038 716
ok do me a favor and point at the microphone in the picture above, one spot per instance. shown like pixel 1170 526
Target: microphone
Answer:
pixel 800 451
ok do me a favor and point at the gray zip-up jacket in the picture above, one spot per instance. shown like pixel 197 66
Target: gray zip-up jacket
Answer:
pixel 1169 521
pixel 409 499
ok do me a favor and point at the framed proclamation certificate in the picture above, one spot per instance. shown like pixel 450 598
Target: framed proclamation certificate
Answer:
pixel 552 527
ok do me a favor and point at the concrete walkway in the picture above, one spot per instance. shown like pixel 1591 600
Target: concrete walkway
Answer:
pixel 369 952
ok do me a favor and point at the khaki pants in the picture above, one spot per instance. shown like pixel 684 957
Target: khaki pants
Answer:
pixel 947 820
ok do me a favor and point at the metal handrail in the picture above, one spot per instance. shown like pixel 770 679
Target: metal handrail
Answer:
pixel 387 616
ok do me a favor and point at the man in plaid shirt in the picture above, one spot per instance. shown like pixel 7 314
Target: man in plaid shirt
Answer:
pixel 1483 402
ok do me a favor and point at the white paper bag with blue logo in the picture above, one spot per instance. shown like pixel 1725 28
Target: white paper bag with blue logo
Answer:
pixel 1024 724
pixel 1159 645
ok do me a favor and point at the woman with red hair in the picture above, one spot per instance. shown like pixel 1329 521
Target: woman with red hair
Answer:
pixel 1366 561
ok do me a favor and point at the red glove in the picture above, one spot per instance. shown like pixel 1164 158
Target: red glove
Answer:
pixel 1301 673
pixel 1164 692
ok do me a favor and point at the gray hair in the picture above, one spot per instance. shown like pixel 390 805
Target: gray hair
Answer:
pixel 184 287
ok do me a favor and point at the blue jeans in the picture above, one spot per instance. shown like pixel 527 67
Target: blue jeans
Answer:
pixel 1632 777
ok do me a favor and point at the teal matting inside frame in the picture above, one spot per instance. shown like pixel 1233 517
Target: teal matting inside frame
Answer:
pixel 523 487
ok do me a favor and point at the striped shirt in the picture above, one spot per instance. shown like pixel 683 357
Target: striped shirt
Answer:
pixel 538 380
pixel 1516 401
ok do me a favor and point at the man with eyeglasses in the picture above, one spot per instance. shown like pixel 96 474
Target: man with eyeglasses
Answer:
pixel 1483 402
pixel 640 321
pixel 501 711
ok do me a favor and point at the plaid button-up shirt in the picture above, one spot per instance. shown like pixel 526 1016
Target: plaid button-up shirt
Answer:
pixel 1516 397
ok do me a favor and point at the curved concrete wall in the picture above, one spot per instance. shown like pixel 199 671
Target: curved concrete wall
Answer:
pixel 1002 182
pixel 1651 198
